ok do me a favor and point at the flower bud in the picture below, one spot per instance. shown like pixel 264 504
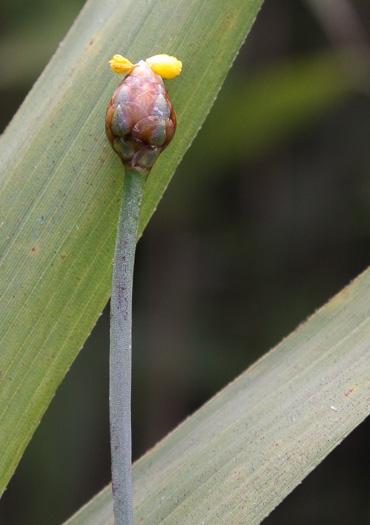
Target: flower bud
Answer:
pixel 140 120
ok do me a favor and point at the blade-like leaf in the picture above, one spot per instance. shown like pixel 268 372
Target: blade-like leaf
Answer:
pixel 275 104
pixel 236 458
pixel 61 185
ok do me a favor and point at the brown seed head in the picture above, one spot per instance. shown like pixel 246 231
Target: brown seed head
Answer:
pixel 140 120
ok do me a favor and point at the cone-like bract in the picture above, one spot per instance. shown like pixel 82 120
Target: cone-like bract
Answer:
pixel 140 120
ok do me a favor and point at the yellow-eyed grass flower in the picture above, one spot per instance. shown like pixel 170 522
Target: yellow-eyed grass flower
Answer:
pixel 165 66
pixel 120 64
pixel 140 122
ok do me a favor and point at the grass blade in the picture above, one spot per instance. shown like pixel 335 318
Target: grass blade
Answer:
pixel 237 458
pixel 61 186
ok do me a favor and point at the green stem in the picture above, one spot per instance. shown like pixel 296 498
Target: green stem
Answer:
pixel 120 346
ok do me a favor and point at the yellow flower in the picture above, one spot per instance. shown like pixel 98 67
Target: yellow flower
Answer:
pixel 164 65
pixel 120 64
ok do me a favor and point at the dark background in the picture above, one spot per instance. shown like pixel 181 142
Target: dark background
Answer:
pixel 241 250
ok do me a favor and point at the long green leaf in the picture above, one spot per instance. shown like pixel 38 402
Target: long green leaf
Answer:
pixel 61 185
pixel 237 458
pixel 274 104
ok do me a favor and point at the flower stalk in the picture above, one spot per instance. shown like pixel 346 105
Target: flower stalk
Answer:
pixel 140 123
pixel 120 345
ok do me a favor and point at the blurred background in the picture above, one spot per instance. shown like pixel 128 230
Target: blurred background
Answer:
pixel 255 232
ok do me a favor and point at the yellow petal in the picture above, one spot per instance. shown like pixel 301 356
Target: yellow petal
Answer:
pixel 120 64
pixel 164 65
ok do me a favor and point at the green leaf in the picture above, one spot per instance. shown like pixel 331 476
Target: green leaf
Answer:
pixel 61 185
pixel 268 107
pixel 236 458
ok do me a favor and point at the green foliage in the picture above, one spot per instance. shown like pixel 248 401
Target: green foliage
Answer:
pixel 62 186
pixel 272 105
pixel 236 458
